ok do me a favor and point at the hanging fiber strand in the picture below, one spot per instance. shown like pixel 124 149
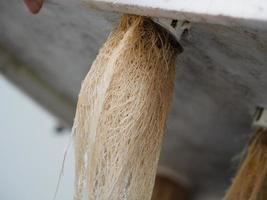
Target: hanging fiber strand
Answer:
pixel 122 110
pixel 250 182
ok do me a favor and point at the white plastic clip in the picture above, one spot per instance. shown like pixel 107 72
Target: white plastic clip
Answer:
pixel 176 27
pixel 260 118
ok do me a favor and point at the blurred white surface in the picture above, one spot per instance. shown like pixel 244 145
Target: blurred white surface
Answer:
pixel 30 152
pixel 226 12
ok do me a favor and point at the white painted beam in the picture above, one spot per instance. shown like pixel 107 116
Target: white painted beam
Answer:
pixel 226 12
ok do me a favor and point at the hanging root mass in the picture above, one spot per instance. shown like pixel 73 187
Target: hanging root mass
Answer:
pixel 250 182
pixel 122 110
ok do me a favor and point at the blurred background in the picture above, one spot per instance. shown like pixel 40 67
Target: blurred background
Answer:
pixel 221 78
pixel 31 149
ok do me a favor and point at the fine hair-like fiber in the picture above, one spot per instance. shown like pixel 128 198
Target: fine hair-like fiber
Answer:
pixel 121 112
pixel 250 182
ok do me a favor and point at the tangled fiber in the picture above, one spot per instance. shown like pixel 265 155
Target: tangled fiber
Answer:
pixel 250 182
pixel 122 110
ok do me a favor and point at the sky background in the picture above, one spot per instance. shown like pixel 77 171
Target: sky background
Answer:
pixel 31 152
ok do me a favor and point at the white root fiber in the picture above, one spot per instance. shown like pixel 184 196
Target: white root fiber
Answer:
pixel 121 113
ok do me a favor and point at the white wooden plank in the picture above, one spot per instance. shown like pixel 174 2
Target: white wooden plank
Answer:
pixel 227 12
